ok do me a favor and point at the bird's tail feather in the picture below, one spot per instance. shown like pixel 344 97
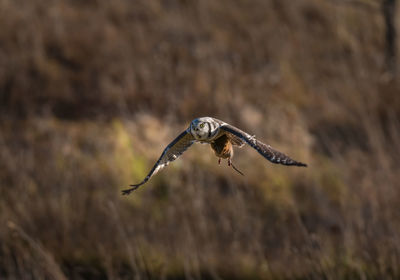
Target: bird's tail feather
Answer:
pixel 237 170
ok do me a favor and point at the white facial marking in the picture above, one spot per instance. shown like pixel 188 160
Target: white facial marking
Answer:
pixel 203 128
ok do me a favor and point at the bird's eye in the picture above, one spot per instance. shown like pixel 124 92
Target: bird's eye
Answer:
pixel 202 125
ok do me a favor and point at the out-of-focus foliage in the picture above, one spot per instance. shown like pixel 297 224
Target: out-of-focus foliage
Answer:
pixel 92 91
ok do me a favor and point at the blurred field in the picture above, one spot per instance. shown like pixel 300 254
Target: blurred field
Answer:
pixel 92 91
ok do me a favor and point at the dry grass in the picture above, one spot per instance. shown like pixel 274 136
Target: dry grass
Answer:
pixel 91 92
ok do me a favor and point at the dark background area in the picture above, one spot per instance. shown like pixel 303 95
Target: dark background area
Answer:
pixel 92 91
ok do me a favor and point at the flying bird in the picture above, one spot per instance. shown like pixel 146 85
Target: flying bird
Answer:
pixel 222 137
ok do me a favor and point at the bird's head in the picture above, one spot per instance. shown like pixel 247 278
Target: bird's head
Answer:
pixel 203 129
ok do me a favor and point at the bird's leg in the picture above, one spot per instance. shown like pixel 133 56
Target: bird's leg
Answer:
pixel 229 162
pixel 219 160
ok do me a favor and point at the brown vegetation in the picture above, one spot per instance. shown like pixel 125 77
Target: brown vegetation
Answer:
pixel 92 91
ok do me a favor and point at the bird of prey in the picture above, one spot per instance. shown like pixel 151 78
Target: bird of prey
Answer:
pixel 222 137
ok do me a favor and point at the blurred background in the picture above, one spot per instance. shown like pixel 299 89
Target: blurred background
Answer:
pixel 92 91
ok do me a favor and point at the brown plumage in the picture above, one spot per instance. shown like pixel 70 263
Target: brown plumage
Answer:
pixel 222 147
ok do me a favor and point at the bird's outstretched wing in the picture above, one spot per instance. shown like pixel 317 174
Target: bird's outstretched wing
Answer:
pixel 265 150
pixel 171 153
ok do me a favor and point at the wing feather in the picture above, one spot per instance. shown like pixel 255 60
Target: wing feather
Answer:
pixel 236 140
pixel 170 153
pixel 265 150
